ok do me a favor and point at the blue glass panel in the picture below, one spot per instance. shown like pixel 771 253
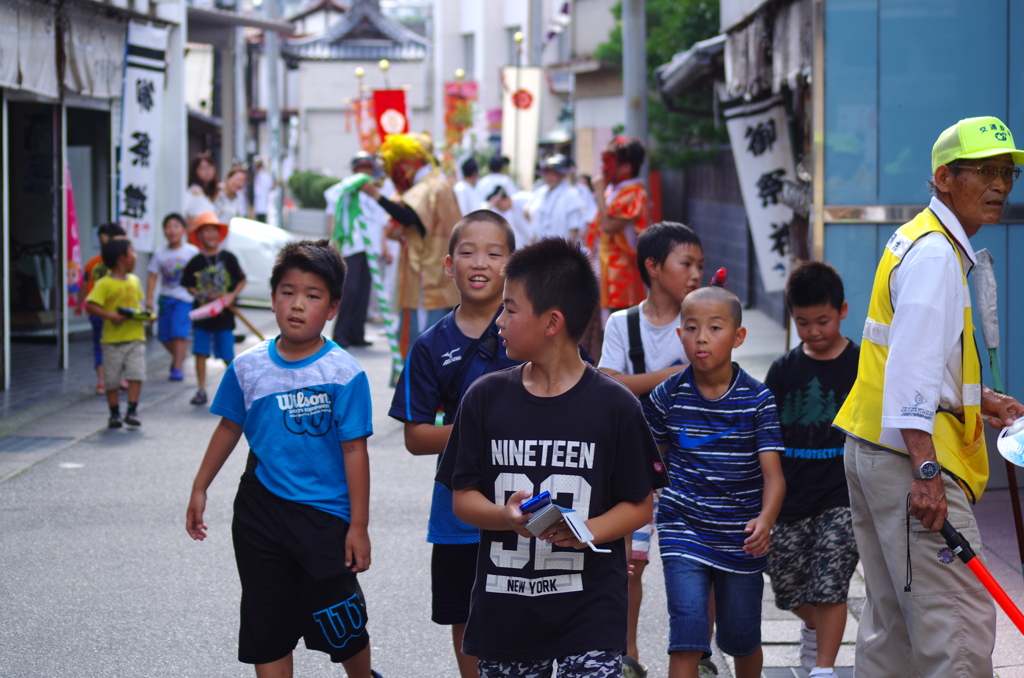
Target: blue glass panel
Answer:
pixel 940 61
pixel 851 248
pixel 851 102
pixel 1014 296
pixel 1015 117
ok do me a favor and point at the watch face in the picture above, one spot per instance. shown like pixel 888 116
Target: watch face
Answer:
pixel 929 470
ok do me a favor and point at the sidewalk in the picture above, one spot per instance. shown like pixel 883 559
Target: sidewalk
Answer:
pixel 48 409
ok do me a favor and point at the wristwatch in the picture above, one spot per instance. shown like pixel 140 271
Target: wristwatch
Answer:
pixel 926 471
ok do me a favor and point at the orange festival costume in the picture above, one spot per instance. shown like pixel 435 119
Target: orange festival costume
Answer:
pixel 621 285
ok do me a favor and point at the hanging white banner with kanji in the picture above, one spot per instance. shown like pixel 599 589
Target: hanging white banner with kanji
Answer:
pixel 140 131
pixel 759 134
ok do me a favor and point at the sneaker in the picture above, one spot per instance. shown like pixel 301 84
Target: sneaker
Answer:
pixel 375 674
pixel 132 420
pixel 114 422
pixel 631 668
pixel 822 672
pixel 101 389
pixel 176 375
pixel 199 398
pixel 707 669
pixel 808 647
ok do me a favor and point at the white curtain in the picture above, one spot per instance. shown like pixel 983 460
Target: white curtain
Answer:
pixel 94 46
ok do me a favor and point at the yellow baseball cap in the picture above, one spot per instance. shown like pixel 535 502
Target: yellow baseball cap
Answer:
pixel 981 137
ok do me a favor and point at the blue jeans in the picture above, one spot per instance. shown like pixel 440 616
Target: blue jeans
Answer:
pixel 737 607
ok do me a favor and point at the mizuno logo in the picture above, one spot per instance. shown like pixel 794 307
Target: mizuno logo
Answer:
pixel 688 443
pixel 450 357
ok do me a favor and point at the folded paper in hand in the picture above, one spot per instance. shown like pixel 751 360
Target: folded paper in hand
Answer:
pixel 552 513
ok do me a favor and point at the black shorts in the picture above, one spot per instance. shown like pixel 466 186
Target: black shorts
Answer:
pixel 452 571
pixel 291 560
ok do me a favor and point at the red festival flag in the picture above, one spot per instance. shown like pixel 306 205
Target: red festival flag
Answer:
pixel 390 112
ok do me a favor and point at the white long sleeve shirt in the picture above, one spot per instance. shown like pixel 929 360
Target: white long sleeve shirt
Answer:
pixel 924 370
pixel 557 212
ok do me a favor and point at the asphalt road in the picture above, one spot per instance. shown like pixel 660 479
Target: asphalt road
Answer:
pixel 98 577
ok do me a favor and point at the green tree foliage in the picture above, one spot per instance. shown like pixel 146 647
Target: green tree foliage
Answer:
pixel 308 189
pixel 673 26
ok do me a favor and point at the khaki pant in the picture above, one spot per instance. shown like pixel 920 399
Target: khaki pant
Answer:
pixel 945 627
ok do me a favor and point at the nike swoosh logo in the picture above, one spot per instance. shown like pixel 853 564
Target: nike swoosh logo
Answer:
pixel 688 443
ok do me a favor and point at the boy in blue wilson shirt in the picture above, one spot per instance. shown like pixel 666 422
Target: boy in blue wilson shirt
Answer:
pixel 304 406
pixel 721 431
pixel 442 363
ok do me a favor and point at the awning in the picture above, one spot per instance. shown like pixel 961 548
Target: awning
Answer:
pixel 700 65
pixel 216 17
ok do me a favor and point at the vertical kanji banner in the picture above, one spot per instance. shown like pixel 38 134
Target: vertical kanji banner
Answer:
pixel 459 98
pixel 390 112
pixel 140 131
pixel 759 134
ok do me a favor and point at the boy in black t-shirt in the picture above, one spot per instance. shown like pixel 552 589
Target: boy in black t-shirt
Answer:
pixel 443 362
pixel 813 553
pixel 210 275
pixel 559 425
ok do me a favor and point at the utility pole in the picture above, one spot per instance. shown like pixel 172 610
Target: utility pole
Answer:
pixel 634 67
pixel 272 57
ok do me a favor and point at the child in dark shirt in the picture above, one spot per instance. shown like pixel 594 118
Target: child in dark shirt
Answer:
pixel 553 424
pixel 212 274
pixel 442 363
pixel 813 552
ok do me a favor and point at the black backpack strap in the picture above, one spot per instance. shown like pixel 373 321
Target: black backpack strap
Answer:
pixel 636 347
pixel 478 354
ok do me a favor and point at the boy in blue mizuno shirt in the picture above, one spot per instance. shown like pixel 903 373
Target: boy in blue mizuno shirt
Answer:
pixel 304 406
pixel 442 364
pixel 721 432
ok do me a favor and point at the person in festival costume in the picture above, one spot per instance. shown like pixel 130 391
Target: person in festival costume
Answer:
pixel 427 209
pixel 622 214
pixel 915 445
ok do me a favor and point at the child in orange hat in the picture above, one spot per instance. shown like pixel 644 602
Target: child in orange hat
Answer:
pixel 211 274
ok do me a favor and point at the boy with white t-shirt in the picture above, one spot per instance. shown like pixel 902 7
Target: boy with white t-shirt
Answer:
pixel 641 349
pixel 175 302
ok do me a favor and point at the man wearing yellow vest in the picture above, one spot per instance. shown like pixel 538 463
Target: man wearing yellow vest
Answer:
pixel 915 442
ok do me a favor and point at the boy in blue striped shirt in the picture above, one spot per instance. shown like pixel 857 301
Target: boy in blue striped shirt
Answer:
pixel 719 431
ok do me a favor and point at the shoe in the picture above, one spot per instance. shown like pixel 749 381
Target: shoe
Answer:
pixel 821 672
pixel 114 422
pixel 101 389
pixel 176 375
pixel 199 398
pixel 707 669
pixel 808 647
pixel 362 343
pixel 631 668
pixel 132 420
pixel 124 384
pixel 375 674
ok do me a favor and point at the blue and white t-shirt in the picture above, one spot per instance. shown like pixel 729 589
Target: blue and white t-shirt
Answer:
pixel 713 466
pixel 434 362
pixel 295 415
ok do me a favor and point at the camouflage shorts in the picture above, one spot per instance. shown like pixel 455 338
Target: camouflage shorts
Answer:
pixel 593 664
pixel 812 559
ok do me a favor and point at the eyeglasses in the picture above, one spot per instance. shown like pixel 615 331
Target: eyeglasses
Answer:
pixel 990 172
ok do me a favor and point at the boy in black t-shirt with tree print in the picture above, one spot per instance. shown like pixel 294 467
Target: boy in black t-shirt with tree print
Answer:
pixel 211 274
pixel 813 552
pixel 559 425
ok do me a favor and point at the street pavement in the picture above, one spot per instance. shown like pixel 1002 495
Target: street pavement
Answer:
pixel 98 577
